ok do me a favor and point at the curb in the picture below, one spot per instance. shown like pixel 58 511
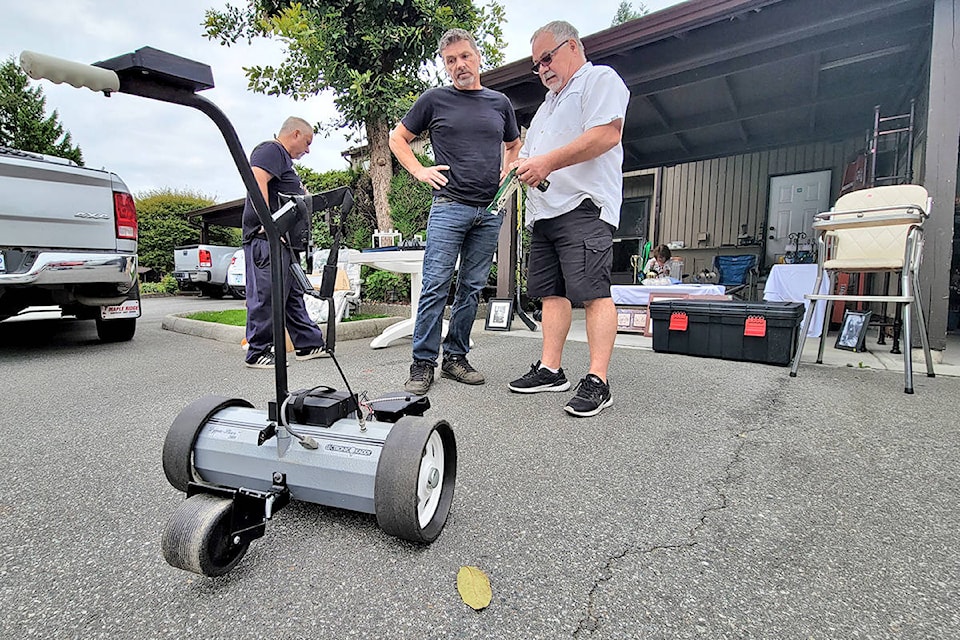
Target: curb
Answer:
pixel 356 330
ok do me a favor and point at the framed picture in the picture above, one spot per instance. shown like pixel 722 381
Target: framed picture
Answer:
pixel 661 297
pixel 632 320
pixel 853 330
pixel 499 314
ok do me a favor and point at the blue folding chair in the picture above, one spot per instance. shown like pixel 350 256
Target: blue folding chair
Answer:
pixel 738 274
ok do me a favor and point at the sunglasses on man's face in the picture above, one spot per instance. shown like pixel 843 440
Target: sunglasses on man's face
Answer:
pixel 547 58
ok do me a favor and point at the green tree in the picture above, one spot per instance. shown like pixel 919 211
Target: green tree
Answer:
pixel 410 201
pixel 626 13
pixel 23 123
pixel 374 55
pixel 163 226
pixel 362 219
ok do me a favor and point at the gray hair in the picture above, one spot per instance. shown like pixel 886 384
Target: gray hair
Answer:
pixel 561 30
pixel 456 35
pixel 293 123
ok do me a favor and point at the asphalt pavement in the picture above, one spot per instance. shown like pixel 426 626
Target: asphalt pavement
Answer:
pixel 715 499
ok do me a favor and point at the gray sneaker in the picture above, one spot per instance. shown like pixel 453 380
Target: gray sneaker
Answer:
pixel 457 368
pixel 421 377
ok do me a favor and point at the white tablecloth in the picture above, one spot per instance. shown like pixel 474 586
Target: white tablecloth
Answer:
pixel 789 283
pixel 639 295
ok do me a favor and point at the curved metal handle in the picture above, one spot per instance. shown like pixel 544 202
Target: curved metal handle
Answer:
pixel 39 66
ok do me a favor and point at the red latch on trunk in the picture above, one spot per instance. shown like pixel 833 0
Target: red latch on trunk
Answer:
pixel 755 326
pixel 678 321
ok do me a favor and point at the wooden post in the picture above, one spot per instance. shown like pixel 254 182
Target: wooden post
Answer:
pixel 940 167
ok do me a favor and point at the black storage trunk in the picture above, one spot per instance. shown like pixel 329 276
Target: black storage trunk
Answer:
pixel 754 331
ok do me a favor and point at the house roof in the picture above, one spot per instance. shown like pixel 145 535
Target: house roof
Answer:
pixel 711 78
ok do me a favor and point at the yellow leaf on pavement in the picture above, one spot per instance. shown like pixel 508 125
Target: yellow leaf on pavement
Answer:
pixel 474 587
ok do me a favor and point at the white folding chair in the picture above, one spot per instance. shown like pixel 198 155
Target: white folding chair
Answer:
pixel 873 230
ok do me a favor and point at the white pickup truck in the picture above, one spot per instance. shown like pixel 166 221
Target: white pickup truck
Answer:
pixel 203 266
pixel 68 238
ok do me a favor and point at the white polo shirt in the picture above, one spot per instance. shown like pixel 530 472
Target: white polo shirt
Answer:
pixel 595 95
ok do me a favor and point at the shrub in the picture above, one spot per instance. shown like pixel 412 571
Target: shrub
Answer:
pixel 163 225
pixel 378 284
pixel 167 284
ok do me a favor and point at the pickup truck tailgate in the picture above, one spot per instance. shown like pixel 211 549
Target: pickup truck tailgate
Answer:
pixel 57 207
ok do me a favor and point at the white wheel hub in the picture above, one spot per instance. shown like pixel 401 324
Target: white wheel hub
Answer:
pixel 430 479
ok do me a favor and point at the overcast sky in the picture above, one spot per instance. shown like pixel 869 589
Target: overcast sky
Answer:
pixel 154 145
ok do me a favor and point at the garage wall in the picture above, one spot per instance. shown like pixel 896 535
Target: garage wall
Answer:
pixel 717 196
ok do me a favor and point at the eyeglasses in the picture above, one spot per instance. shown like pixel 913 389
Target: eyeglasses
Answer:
pixel 547 58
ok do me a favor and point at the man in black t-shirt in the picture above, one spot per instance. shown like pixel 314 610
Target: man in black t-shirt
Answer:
pixel 474 134
pixel 272 164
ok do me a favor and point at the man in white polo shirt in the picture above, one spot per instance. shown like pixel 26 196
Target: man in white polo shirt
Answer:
pixel 574 142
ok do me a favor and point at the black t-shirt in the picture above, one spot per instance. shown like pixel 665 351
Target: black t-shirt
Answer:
pixel 274 159
pixel 466 131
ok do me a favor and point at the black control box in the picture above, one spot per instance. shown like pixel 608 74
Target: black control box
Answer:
pixel 316 407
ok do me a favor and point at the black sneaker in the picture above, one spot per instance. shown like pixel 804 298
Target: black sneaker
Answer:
pixel 312 352
pixel 421 377
pixel 457 368
pixel 593 396
pixel 539 379
pixel 265 360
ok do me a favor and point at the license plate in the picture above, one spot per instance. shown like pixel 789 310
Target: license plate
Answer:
pixel 235 279
pixel 128 309
pixel 3 263
pixel 179 275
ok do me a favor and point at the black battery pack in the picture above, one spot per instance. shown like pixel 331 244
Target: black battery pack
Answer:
pixel 318 407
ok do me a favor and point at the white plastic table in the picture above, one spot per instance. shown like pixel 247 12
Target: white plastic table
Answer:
pixel 407 261
pixel 401 261
pixel 789 283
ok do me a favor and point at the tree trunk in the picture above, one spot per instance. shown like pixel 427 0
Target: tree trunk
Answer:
pixel 381 170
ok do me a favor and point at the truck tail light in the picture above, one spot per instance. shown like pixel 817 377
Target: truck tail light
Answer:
pixel 125 214
pixel 206 260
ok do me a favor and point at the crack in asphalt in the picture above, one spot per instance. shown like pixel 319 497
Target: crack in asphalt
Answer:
pixel 592 622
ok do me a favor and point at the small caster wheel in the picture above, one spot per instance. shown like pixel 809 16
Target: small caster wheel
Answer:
pixel 196 537
pixel 415 479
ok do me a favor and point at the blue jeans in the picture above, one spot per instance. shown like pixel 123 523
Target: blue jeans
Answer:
pixel 453 230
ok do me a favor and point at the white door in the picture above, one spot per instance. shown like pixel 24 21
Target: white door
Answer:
pixel 794 200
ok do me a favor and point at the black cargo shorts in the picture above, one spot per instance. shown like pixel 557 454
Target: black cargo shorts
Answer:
pixel 571 255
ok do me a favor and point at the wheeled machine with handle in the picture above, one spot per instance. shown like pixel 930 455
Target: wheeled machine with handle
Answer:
pixel 238 465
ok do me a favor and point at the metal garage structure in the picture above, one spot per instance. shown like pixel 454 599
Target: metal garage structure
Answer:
pixel 726 95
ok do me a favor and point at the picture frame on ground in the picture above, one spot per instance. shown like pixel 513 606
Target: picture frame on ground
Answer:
pixel 853 330
pixel 499 314
pixel 632 320
pixel 661 297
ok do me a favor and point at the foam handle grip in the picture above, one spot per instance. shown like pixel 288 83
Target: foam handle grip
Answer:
pixel 77 74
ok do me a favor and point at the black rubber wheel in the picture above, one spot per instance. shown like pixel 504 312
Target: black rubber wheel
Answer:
pixel 197 536
pixel 216 291
pixel 178 445
pixel 120 330
pixel 415 479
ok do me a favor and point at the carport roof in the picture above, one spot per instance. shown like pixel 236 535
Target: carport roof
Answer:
pixel 712 78
pixel 226 214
